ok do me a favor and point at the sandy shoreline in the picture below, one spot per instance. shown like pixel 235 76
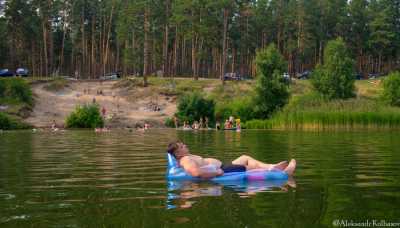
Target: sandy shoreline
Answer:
pixel 124 108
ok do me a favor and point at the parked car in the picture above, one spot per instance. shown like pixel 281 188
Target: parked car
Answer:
pixel 286 77
pixel 373 75
pixel 305 75
pixel 111 76
pixel 358 76
pixel 246 77
pixel 22 72
pixel 232 76
pixel 6 73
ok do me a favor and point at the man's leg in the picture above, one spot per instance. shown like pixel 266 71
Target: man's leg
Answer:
pixel 252 163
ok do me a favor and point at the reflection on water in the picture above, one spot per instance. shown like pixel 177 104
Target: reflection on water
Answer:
pixel 117 179
pixel 181 193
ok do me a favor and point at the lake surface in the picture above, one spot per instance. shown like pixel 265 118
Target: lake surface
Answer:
pixel 117 179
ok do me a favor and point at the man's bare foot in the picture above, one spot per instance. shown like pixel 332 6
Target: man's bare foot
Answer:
pixel 291 167
pixel 291 182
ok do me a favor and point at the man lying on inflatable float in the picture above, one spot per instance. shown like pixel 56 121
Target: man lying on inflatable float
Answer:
pixel 185 166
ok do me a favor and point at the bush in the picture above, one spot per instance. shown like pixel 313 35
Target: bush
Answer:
pixel 240 108
pixel 8 123
pixel 271 91
pixel 56 85
pixel 169 122
pixel 16 89
pixel 5 122
pixel 2 87
pixel 87 116
pixel 194 106
pixel 335 78
pixel 391 89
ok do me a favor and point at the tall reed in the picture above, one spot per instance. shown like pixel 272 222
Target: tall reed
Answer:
pixel 313 112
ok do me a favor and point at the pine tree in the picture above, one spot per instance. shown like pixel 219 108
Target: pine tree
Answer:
pixel 272 92
pixel 334 78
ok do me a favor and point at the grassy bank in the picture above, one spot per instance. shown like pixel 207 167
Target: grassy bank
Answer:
pixel 307 110
pixel 168 86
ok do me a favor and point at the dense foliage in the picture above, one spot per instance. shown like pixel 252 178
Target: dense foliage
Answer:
pixel 9 123
pixel 391 89
pixel 335 77
pixel 15 89
pixel 199 38
pixel 241 108
pixel 271 91
pixel 193 106
pixel 87 116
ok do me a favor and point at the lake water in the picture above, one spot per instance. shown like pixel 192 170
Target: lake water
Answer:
pixel 117 179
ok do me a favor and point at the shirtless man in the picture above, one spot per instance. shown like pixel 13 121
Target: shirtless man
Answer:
pixel 210 167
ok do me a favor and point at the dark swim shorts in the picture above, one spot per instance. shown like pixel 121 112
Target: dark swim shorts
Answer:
pixel 230 168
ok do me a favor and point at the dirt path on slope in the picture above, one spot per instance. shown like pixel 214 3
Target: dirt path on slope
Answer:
pixel 123 108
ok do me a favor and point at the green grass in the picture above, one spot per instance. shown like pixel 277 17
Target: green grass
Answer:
pixel 232 90
pixel 168 86
pixel 369 88
pixel 56 84
pixel 311 111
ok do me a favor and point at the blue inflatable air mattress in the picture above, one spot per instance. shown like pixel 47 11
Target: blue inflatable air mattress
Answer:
pixel 176 173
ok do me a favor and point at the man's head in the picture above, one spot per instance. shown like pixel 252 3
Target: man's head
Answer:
pixel 178 149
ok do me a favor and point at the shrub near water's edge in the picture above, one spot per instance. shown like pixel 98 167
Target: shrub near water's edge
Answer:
pixel 87 116
pixel 2 87
pixel 17 89
pixel 241 108
pixel 192 107
pixel 391 89
pixel 8 123
pixel 169 122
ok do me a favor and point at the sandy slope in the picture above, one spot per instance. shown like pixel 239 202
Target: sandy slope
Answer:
pixel 124 109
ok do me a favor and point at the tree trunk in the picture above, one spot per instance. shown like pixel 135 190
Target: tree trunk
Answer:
pixel 134 69
pixel 175 51
pixel 194 58
pixel 93 60
pixel 83 42
pixel 108 37
pixel 165 42
pixel 62 49
pixel 146 46
pixel 183 57
pixel 45 47
pixel 224 46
